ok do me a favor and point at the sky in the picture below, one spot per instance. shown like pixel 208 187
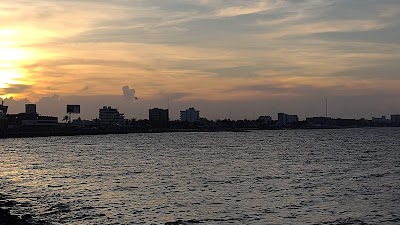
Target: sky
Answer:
pixel 227 58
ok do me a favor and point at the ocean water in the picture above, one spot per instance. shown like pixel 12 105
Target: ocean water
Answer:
pixel 347 176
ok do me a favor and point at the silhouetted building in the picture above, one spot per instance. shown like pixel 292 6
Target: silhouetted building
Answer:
pixel 3 116
pixel 3 110
pixel 285 119
pixel 31 120
pixel 111 117
pixel 319 121
pixel 265 119
pixel 158 115
pixel 190 115
pixel 83 123
pixel 395 119
pixel 347 122
pixel 159 118
pixel 381 120
pixel 30 109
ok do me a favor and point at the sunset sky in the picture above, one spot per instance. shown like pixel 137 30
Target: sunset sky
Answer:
pixel 224 57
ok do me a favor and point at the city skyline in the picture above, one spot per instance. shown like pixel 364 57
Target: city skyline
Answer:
pixel 238 59
pixel 189 114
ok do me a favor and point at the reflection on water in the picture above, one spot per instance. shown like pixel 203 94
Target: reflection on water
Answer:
pixel 266 177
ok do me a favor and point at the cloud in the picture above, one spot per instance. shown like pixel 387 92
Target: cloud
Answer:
pixel 248 7
pixel 14 89
pixel 52 105
pixel 202 48
pixel 16 106
pixel 129 94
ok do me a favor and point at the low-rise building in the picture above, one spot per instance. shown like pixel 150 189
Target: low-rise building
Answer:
pixel 395 119
pixel 265 119
pixel 21 120
pixel 83 123
pixel 381 120
pixel 30 118
pixel 320 121
pixel 286 119
pixel 3 116
pixel 3 110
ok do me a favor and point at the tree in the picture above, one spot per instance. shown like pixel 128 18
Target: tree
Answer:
pixel 66 119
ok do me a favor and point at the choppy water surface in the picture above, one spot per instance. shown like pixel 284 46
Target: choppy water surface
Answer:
pixel 262 177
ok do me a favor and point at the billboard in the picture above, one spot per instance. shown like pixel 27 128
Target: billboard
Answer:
pixel 74 109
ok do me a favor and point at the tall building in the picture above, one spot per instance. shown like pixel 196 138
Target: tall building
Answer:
pixel 285 119
pixel 159 118
pixel 190 115
pixel 158 115
pixel 111 117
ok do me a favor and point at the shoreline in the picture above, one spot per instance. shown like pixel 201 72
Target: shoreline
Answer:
pixel 81 132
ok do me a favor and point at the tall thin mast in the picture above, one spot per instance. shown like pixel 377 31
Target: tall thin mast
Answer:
pixel 326 108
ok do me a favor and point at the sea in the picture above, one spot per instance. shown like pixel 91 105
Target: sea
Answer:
pixel 334 177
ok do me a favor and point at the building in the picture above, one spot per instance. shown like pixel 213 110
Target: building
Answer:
pixel 30 119
pixel 158 115
pixel 83 123
pixel 285 119
pixel 30 109
pixel 3 110
pixel 21 120
pixel 3 116
pixel 319 121
pixel 159 118
pixel 265 119
pixel 40 121
pixel 111 117
pixel 395 119
pixel 190 115
pixel 381 120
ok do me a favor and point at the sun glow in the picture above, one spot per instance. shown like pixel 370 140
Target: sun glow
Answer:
pixel 8 77
pixel 12 57
pixel 10 69
pixel 8 54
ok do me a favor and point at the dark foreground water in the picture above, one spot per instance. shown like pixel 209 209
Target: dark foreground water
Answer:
pixel 264 177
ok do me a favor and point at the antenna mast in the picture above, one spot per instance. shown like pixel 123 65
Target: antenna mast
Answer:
pixel 326 108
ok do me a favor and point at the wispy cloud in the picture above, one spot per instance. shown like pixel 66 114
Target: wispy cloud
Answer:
pixel 249 7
